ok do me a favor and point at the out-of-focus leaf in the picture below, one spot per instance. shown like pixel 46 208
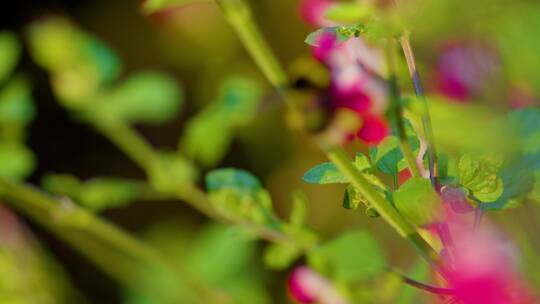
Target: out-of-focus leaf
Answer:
pixel 480 176
pixel 26 266
pixel 387 155
pixel 171 171
pixel 239 194
pixel 209 134
pixel 147 97
pixel 352 257
pixel 460 127
pixel 9 54
pixel 325 173
pixel 16 106
pixel 97 193
pixel 418 202
pixel 328 173
pixel 352 198
pixel 300 209
pixel 16 160
pixel 535 192
pixel 230 178
pixel 280 256
pixel 80 63
pixel 349 12
pixel 343 33
pixel 525 126
pixel 153 6
pixel 214 256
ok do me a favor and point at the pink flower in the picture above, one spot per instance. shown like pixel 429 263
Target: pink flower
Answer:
pixel 356 84
pixel 480 264
pixel 307 286
pixel 313 12
pixel 465 69
pixel 374 129
pixel 483 270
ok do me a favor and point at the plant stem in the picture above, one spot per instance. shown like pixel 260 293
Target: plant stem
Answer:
pixel 238 15
pixel 427 287
pixel 387 211
pixel 426 120
pixel 240 18
pixel 395 97
pixel 144 155
pixel 94 237
pixel 127 140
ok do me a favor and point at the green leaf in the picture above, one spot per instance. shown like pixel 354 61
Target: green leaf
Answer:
pixel 230 178
pixel 279 256
pixel 9 54
pixel 328 173
pixel 479 174
pixel 171 171
pixel 387 156
pixel 349 12
pixel 16 160
pixel 343 33
pixel 352 198
pixel 16 106
pixel 154 6
pixel 209 134
pixel 418 202
pixel 146 97
pixel 325 173
pixel 103 58
pixel 352 257
pixel 525 126
pixel 535 192
pixel 300 209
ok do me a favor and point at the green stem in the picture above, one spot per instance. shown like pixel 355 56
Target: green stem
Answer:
pixel 387 211
pixel 395 97
pixel 94 237
pixel 426 120
pixel 129 141
pixel 239 15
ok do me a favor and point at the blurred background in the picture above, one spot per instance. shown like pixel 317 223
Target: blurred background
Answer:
pixel 195 45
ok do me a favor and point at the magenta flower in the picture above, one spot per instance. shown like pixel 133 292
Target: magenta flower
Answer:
pixel 465 68
pixel 480 264
pixel 307 286
pixel 356 84
pixel 313 12
pixel 482 270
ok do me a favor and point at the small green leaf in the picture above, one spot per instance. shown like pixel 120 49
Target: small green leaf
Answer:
pixel 147 97
pixel 16 160
pixel 387 156
pixel 209 134
pixel 9 54
pixel 230 178
pixel 343 33
pixel 328 173
pixel 352 257
pixel 171 171
pixel 349 12
pixel 325 173
pixel 16 105
pixel 352 198
pixel 300 209
pixel 479 174
pixel 279 256
pixel 418 202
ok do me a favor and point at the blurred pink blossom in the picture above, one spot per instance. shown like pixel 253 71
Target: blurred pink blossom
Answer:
pixel 465 69
pixel 313 12
pixel 355 68
pixel 307 286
